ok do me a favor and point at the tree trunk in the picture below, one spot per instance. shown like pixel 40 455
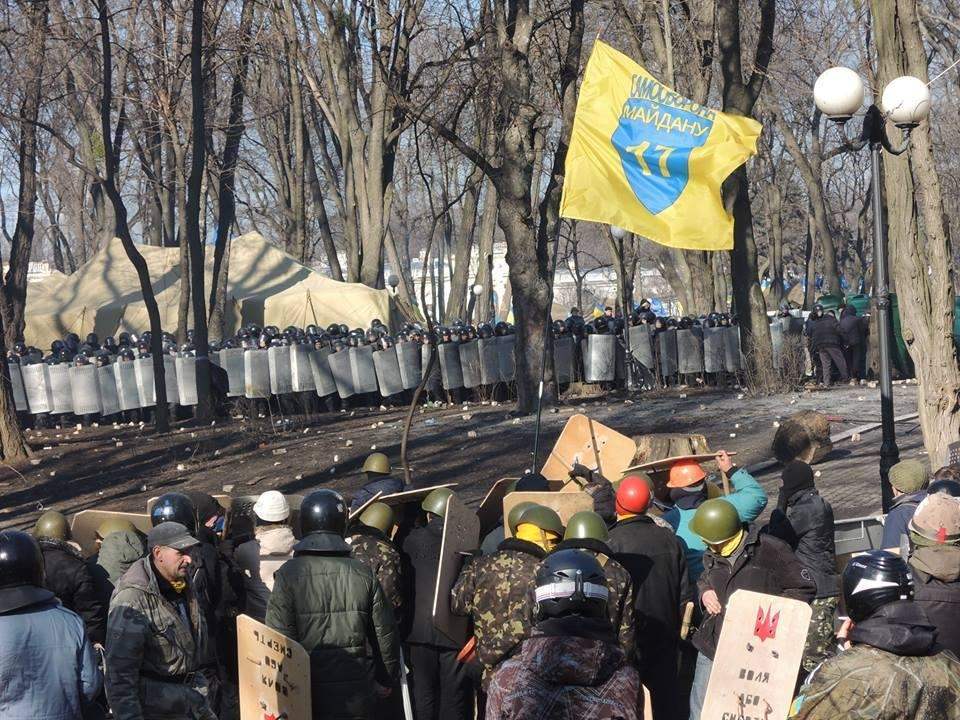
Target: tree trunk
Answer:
pixel 486 232
pixel 810 289
pixel 323 222
pixel 463 245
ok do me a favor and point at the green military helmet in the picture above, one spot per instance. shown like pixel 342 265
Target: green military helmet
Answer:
pixel 515 512
pixel 586 525
pixel 52 525
pixel 380 516
pixel 376 463
pixel 543 518
pixel 112 525
pixel 436 501
pixel 716 521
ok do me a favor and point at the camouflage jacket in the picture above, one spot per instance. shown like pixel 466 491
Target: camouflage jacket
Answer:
pixel 373 549
pixel 152 653
pixel 497 592
pixel 570 669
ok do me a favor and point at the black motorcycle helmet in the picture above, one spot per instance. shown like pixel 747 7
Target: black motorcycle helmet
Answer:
pixel 571 582
pixel 818 310
pixel 875 579
pixel 323 511
pixel 175 507
pixel 21 562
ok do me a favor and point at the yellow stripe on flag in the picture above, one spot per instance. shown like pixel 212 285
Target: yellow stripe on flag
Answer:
pixel 649 160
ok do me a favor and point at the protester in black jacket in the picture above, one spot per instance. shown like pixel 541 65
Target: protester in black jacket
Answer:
pixel 824 333
pixel 68 577
pixel 853 335
pixel 804 520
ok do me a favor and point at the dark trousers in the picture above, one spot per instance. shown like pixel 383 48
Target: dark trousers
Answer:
pixel 659 673
pixel 853 355
pixel 830 356
pixel 441 686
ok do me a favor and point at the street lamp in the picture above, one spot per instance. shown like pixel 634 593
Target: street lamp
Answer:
pixel 394 282
pixel 626 303
pixel 838 94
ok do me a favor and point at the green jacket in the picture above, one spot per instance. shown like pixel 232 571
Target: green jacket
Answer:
pixel 152 653
pixel 333 605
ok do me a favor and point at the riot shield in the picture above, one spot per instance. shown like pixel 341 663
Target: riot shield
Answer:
pixel 231 360
pixel 281 380
pixel 599 358
pixel 713 350
pixel 362 369
pixel 170 380
pixel 256 374
pixel 109 397
pixel 340 369
pixel 667 343
pixel 408 358
pixel 563 359
pixel 128 390
pixel 641 346
pixel 489 361
pixel 16 383
pixel 37 386
pixel 301 374
pixel 470 363
pixel 776 338
pixel 322 377
pixel 388 371
pixel 508 364
pixel 85 389
pixel 187 380
pixel 689 351
pixel 145 387
pixel 61 392
pixel 451 373
pixel 731 349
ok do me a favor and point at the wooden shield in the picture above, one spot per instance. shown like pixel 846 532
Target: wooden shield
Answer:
pixel 565 504
pixel 491 509
pixel 274 673
pixel 758 657
pixel 461 534
pixel 589 443
pixel 83 526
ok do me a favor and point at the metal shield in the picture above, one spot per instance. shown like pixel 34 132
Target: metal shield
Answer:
pixel 16 382
pixel 363 370
pixel 690 351
pixel 408 358
pixel 320 368
pixel 451 374
pixel 256 374
pixel 109 397
pixel 599 358
pixel 563 359
pixel 281 380
pixel 36 385
pixel 187 380
pixel 731 349
pixel 145 385
pixel 489 361
pixel 231 360
pixel 128 392
pixel 713 350
pixel 301 374
pixel 388 371
pixel 641 346
pixel 170 379
pixel 340 368
pixel 86 390
pixel 791 325
pixel 61 392
pixel 470 364
pixel 508 364
pixel 667 340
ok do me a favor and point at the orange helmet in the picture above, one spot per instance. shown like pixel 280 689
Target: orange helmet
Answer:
pixel 685 473
pixel 633 496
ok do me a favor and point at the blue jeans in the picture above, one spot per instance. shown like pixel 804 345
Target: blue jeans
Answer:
pixel 698 693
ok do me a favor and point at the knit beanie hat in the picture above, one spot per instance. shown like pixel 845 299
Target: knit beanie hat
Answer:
pixel 908 476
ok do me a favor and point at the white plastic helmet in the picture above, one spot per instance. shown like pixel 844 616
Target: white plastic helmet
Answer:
pixel 272 506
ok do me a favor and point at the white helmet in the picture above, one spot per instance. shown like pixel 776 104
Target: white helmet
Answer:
pixel 272 506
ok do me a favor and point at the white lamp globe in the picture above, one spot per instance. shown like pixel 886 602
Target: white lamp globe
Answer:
pixel 906 101
pixel 838 93
pixel 393 281
pixel 478 290
pixel 618 232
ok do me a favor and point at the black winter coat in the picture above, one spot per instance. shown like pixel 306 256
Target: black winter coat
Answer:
pixel 656 561
pixel 67 576
pixel 823 332
pixel 807 527
pixel 766 565
pixel 853 329
pixel 936 580
pixel 420 556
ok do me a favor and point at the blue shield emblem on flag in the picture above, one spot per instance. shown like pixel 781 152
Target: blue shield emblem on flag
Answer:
pixel 654 141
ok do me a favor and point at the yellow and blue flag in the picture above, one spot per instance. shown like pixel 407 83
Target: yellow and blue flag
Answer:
pixel 647 159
